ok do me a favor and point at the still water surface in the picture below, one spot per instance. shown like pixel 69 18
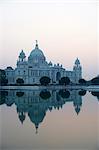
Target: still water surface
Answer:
pixel 59 119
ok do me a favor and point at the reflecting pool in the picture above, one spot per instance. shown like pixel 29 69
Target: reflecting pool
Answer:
pixel 49 119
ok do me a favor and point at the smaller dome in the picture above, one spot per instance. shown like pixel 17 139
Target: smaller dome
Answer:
pixel 77 109
pixel 77 62
pixel 50 63
pixel 9 68
pixel 22 55
pixel 22 117
pixel 36 53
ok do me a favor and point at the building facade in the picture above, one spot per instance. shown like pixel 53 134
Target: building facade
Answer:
pixel 36 66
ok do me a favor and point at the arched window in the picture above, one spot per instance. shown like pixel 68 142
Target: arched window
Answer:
pixel 58 76
pixel 24 71
pixel 19 72
pixel 33 79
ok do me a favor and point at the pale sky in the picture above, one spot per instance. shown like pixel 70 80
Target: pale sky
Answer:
pixel 65 30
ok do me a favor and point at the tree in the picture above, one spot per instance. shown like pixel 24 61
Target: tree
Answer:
pixel 95 81
pixel 45 80
pixel 82 81
pixel 64 81
pixel 20 81
pixel 3 79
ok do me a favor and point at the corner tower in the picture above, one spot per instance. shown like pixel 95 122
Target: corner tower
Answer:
pixel 77 70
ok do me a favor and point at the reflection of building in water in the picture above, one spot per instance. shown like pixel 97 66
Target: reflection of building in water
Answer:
pixel 36 66
pixel 36 105
pixel 95 93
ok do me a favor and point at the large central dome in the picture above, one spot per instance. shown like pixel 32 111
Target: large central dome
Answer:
pixel 36 56
pixel 36 52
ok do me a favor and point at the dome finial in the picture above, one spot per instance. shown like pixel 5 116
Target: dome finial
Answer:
pixel 36 44
pixel 77 62
pixel 36 126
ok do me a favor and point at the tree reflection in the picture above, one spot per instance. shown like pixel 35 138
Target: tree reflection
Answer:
pixel 3 95
pixel 82 92
pixel 95 93
pixel 64 93
pixel 19 94
pixel 45 94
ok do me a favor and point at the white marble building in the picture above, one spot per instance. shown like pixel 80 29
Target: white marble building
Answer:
pixel 36 66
